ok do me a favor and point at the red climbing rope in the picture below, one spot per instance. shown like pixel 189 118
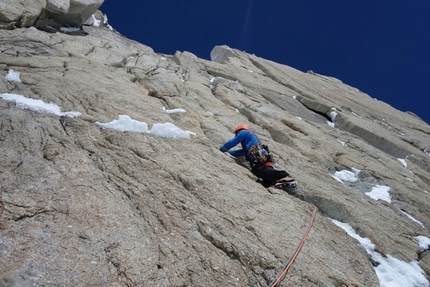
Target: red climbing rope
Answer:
pixel 284 270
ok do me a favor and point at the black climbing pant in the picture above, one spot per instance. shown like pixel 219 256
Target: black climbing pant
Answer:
pixel 267 173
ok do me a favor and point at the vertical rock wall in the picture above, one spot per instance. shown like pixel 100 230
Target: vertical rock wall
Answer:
pixel 82 205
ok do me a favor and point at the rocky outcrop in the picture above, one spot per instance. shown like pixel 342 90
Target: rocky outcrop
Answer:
pixel 82 205
pixel 48 15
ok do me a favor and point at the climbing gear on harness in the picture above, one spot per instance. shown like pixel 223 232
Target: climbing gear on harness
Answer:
pixel 284 270
pixel 269 160
pixel 258 154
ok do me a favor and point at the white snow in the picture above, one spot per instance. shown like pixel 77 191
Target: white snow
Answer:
pixel 391 271
pixel 380 192
pixel 299 118
pixel 330 124
pixel 105 22
pixel 173 111
pixel 37 105
pixel 403 161
pixel 333 115
pixel 13 76
pixel 345 176
pixel 125 123
pixel 70 29
pixel 342 142
pixel 412 218
pixel 96 22
pixel 356 170
pixel 365 242
pixel 358 116
pixel 423 243
pixel 169 130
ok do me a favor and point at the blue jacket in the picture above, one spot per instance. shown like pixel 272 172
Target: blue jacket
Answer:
pixel 246 138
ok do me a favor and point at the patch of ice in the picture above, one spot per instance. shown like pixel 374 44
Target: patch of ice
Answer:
pixel 337 179
pixel 423 243
pixel 96 22
pixel 391 271
pixel 342 142
pixel 358 116
pixel 13 76
pixel 174 111
pixel 38 106
pixel 356 170
pixel 333 115
pixel 105 21
pixel 403 161
pixel 125 124
pixel 169 130
pixel 70 29
pixel 345 176
pixel 380 192
pixel 412 218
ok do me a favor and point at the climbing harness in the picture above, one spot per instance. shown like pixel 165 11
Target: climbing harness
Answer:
pixel 284 270
pixel 258 154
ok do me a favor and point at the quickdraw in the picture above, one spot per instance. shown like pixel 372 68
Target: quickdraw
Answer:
pixel 284 270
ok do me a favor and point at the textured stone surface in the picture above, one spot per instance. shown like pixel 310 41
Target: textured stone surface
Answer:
pixel 49 15
pixel 81 205
pixel 71 12
pixel 20 13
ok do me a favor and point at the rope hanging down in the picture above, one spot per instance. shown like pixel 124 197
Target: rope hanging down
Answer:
pixel 284 270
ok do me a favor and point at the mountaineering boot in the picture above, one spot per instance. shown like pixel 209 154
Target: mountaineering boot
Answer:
pixel 286 182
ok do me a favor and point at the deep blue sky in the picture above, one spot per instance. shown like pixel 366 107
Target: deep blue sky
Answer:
pixel 381 47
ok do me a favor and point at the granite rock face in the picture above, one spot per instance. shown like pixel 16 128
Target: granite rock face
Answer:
pixel 81 205
pixel 49 15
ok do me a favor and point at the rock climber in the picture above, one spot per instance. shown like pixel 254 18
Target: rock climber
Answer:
pixel 259 157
